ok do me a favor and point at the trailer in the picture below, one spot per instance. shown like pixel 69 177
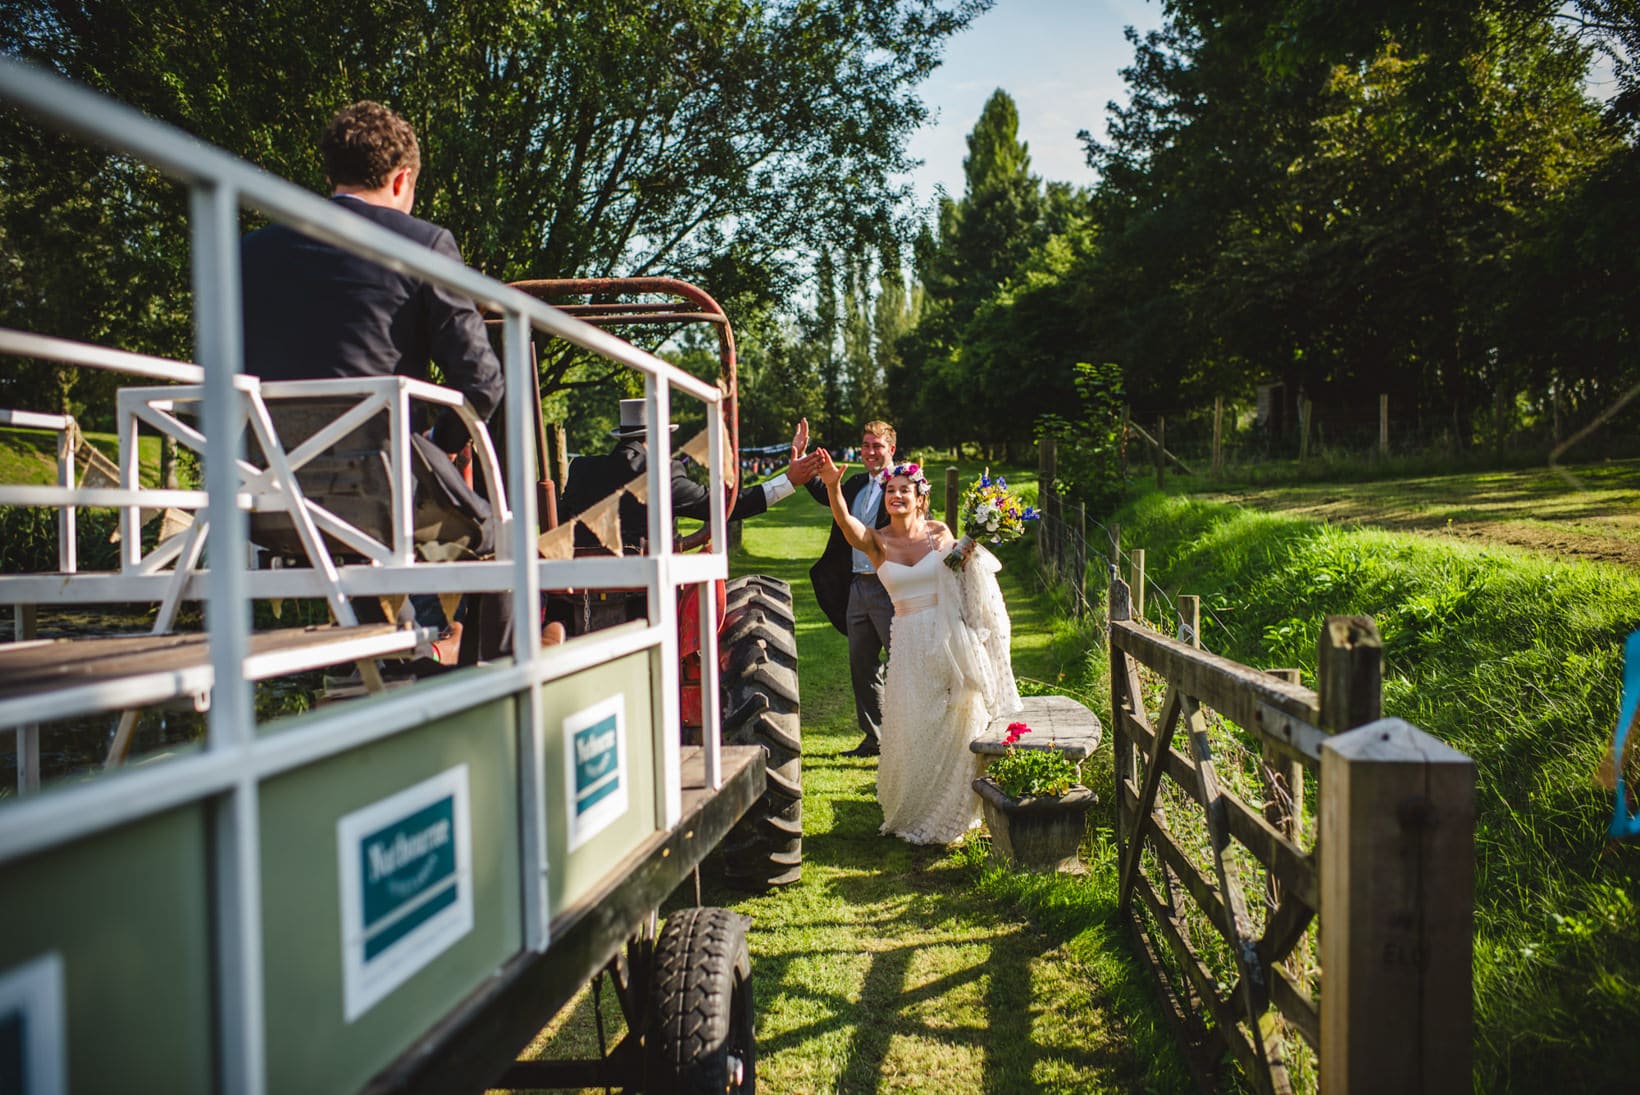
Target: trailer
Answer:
pixel 390 893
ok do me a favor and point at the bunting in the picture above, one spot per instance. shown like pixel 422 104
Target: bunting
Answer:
pixel 603 519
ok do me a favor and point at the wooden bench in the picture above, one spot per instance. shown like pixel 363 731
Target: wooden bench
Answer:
pixel 1056 722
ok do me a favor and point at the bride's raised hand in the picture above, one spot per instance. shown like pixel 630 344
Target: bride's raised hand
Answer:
pixel 830 473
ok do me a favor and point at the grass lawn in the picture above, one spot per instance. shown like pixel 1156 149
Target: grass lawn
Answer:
pixel 893 968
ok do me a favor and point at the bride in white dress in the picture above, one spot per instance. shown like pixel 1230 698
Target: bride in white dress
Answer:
pixel 949 672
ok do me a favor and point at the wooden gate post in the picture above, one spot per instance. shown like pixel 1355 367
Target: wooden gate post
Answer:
pixel 1349 672
pixel 951 501
pixel 1397 835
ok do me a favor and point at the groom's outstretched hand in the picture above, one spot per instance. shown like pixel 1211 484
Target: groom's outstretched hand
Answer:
pixel 802 468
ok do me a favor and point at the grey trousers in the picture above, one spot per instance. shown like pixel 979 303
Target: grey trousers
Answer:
pixel 870 614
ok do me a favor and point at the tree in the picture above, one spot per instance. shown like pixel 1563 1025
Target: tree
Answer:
pixel 722 141
pixel 984 241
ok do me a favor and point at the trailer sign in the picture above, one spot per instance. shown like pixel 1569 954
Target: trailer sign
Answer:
pixel 595 768
pixel 407 888
pixel 32 1043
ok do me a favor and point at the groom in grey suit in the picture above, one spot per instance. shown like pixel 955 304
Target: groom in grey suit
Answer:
pixel 848 589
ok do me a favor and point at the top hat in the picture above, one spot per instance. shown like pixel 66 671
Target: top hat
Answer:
pixel 632 420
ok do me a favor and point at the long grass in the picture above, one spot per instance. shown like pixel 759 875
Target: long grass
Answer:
pixel 1515 659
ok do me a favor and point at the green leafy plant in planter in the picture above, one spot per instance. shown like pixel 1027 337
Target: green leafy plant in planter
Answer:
pixel 1034 808
pixel 1031 773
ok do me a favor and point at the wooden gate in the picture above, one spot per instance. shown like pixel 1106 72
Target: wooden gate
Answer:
pixel 1232 890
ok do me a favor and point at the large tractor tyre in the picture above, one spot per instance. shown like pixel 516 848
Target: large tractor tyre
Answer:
pixel 701 1006
pixel 760 707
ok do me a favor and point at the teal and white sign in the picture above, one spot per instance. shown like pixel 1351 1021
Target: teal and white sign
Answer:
pixel 33 1044
pixel 407 885
pixel 595 768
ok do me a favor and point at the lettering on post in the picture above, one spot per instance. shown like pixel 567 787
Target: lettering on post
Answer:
pixel 595 768
pixel 406 885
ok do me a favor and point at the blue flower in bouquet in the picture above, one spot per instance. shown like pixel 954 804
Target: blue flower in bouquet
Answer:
pixel 989 511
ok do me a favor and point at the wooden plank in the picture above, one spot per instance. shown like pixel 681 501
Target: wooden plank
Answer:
pixel 40 667
pixel 1225 1024
pixel 1283 931
pixel 1174 858
pixel 1269 1071
pixel 1296 1007
pixel 1295 868
pixel 1154 768
pixel 1245 696
pixel 1188 1030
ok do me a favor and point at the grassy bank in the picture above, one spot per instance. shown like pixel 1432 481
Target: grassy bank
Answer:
pixel 1513 658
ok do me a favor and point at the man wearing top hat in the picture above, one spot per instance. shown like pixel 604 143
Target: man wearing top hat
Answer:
pixel 594 478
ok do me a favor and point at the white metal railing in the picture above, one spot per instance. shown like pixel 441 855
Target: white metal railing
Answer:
pixel 67 432
pixel 227 773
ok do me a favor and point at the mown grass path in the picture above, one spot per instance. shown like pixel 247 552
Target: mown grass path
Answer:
pixel 886 969
pixel 893 968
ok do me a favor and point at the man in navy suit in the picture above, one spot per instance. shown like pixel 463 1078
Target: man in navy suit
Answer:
pixel 315 311
pixel 849 591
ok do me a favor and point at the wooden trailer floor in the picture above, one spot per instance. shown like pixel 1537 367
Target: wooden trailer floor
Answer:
pixel 47 679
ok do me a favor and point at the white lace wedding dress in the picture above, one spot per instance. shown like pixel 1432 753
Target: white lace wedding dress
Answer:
pixel 949 675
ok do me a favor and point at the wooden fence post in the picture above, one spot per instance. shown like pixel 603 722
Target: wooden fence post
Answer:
pixel 1119 606
pixel 1116 543
pixel 1081 583
pixel 1304 410
pixel 1383 425
pixel 1161 452
pixel 951 501
pixel 1397 899
pixel 1138 583
pixel 1122 440
pixel 1218 436
pixel 1190 620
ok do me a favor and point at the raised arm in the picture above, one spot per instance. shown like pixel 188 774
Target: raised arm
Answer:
pixel 856 533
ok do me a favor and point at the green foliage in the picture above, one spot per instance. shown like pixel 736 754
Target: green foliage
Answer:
pixel 1032 773
pixel 995 341
pixel 1088 454
pixel 1516 661
pixel 722 141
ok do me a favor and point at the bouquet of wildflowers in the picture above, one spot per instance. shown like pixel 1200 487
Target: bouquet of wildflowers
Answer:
pixel 989 511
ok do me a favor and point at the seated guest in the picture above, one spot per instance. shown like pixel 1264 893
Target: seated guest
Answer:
pixel 314 311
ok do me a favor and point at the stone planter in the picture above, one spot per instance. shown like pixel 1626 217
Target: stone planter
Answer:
pixel 1036 833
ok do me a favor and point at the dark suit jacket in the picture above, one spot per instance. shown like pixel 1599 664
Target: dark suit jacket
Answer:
pixel 314 311
pixel 593 478
pixel 832 575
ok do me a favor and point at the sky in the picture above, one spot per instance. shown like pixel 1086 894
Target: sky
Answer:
pixel 1059 60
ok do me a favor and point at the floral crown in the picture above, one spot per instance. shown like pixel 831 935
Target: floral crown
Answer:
pixel 912 472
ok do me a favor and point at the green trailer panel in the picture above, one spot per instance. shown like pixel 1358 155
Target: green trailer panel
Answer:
pixel 599 768
pixel 120 922
pixel 390 891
